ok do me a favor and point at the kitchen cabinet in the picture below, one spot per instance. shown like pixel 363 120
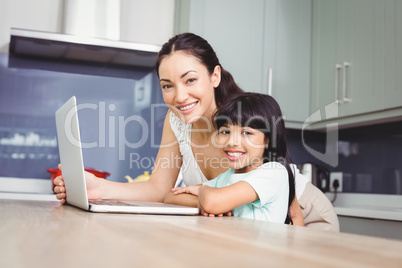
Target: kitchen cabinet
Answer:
pixel 234 28
pixel 357 60
pixel 348 55
pixel 265 44
pixel 372 227
pixel 393 54
pixel 369 214
pixel 287 57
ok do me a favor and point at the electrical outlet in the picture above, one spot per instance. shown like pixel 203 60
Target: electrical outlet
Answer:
pixel 335 176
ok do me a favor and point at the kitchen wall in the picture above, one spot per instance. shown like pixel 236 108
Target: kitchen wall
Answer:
pixel 121 114
pixel 140 20
pixel 147 21
pixel 369 156
pixel 41 15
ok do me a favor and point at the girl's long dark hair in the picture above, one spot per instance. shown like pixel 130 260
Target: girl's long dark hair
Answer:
pixel 199 48
pixel 260 112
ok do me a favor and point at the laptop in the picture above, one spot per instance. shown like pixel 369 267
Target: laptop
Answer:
pixel 72 167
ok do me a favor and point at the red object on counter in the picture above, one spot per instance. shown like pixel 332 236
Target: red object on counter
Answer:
pixel 54 172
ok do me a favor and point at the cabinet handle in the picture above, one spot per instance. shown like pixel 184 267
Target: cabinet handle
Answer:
pixel 337 68
pixel 270 82
pixel 345 66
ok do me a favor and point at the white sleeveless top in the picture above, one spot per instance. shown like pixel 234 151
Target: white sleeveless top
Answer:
pixel 190 171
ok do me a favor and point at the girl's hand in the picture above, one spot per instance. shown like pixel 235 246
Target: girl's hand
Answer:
pixel 194 190
pixel 91 183
pixel 206 214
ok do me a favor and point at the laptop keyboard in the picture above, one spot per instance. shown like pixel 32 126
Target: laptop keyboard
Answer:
pixel 110 203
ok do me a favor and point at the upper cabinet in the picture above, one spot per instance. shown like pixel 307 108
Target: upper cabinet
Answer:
pixel 266 45
pixel 341 57
pixel 287 57
pixel 234 28
pixel 393 54
pixel 348 49
pixel 356 59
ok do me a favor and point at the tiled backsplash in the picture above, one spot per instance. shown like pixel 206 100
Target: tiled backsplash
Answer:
pixel 370 157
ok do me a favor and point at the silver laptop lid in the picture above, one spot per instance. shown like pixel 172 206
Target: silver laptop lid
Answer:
pixel 72 166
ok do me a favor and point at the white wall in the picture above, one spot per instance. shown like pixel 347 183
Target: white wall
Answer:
pixel 142 21
pixel 42 15
pixel 92 18
pixel 147 21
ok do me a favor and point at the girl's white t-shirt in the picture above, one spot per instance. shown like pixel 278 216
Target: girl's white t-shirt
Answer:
pixel 270 182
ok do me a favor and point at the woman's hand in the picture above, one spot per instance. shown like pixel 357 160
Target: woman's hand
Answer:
pixel 194 190
pixel 59 189
pixel 91 183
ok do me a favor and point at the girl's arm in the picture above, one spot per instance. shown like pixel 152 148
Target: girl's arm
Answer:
pixel 221 200
pixel 163 177
pixel 188 196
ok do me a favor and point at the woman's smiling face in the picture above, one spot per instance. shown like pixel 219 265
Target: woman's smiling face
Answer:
pixel 187 86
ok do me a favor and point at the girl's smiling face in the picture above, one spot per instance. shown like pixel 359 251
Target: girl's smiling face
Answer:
pixel 187 86
pixel 244 147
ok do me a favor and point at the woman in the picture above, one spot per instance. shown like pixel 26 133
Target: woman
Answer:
pixel 193 85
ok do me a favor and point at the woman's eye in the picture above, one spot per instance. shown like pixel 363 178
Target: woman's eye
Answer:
pixel 245 132
pixel 166 86
pixel 191 80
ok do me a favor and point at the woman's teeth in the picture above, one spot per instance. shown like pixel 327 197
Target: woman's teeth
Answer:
pixel 235 154
pixel 187 107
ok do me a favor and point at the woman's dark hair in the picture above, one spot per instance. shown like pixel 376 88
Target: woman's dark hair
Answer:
pixel 262 112
pixel 199 48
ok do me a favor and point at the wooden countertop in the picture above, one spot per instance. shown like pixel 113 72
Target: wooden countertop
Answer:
pixel 45 234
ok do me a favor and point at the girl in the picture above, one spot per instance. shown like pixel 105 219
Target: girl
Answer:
pixel 260 182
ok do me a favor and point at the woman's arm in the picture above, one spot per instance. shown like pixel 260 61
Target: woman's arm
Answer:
pixel 221 200
pixel 163 177
pixel 185 196
pixel 296 213
pixel 183 199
